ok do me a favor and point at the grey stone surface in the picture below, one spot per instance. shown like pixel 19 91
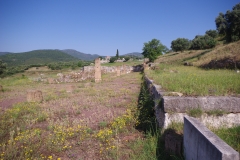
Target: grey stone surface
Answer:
pixel 225 120
pixel 183 104
pixel 201 144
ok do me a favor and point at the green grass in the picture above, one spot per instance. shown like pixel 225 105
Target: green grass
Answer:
pixel 195 112
pixel 16 80
pixel 230 135
pixel 153 145
pixel 193 81
pixel 216 112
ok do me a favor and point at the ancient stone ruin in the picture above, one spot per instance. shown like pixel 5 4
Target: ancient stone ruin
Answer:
pixel 34 96
pixel 98 75
pixel 88 73
pixel 118 71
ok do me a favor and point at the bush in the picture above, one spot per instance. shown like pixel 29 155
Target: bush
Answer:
pixel 113 59
pixel 212 33
pixel 126 59
pixel 203 42
pixel 180 44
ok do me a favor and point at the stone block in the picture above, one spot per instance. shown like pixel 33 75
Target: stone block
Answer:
pixel 200 143
pixel 98 76
pixel 34 96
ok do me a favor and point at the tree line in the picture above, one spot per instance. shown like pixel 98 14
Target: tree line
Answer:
pixel 227 30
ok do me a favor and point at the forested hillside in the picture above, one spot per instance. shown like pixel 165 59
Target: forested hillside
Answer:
pixel 36 57
pixel 80 55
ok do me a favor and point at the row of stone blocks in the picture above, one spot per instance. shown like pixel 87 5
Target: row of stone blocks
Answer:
pixel 198 140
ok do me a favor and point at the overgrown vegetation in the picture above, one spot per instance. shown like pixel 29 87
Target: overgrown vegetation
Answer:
pixel 66 127
pixel 195 112
pixel 194 81
pixel 154 144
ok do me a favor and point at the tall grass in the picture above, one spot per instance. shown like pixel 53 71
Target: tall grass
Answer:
pixel 196 82
pixel 153 145
pixel 230 135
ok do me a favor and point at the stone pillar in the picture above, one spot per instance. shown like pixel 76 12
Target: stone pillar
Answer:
pixel 145 66
pixel 98 76
pixel 34 96
pixel 118 71
pixel 123 69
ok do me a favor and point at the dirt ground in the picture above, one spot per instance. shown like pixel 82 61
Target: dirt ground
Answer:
pixel 89 104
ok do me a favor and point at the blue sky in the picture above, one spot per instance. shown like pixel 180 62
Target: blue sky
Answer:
pixel 103 26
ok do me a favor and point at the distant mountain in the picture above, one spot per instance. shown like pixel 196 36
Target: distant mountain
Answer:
pixel 136 54
pixel 2 53
pixel 80 55
pixel 36 57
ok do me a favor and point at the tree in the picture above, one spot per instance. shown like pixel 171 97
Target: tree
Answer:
pixel 112 59
pixel 203 42
pixel 153 49
pixel 2 67
pixel 229 24
pixel 126 58
pixel 212 33
pixel 221 24
pixel 80 64
pixel 180 44
pixel 117 54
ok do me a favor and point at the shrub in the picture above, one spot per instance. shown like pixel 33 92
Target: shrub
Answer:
pixel 180 44
pixel 203 42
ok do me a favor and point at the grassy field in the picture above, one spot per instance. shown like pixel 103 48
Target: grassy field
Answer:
pixel 84 120
pixel 193 81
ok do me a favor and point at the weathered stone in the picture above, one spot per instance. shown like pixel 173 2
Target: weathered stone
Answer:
pixel 34 96
pixel 118 71
pixel 98 73
pixel 201 143
pixel 146 60
pixel 183 104
pixel 51 80
pixel 145 66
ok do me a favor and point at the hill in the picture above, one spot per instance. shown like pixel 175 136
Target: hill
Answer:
pixel 223 56
pixel 135 54
pixel 2 53
pixel 36 57
pixel 80 55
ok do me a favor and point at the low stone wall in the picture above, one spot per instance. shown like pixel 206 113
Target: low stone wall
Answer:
pixel 106 69
pixel 174 108
pixel 200 143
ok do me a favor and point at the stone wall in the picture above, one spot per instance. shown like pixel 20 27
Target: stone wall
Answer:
pixel 174 108
pixel 200 143
pixel 106 69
